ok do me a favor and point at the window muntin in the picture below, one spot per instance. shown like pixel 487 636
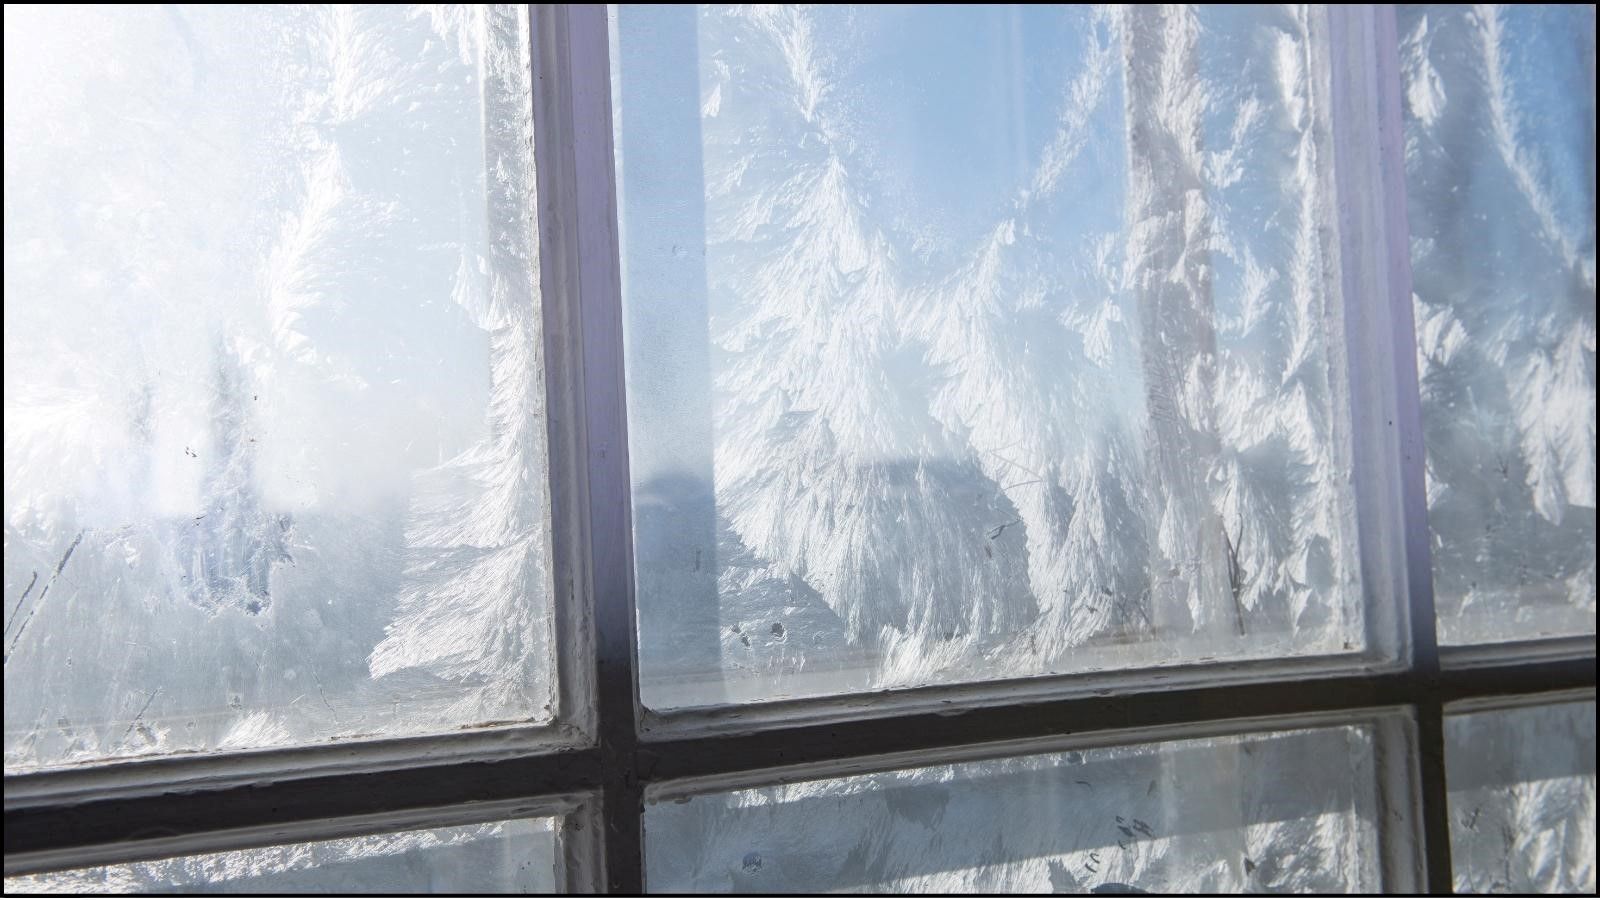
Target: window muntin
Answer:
pixel 274 461
pixel 519 856
pixel 1500 148
pixel 1522 798
pixel 1012 361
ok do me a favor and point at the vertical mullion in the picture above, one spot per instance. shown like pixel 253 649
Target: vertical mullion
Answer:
pixel 579 256
pixel 1408 419
pixel 1386 401
pixel 1413 483
pixel 1435 799
pixel 611 527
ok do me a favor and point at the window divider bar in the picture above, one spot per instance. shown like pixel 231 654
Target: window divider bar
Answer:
pixel 1369 146
pixel 217 771
pixel 1435 795
pixel 1412 464
pixel 580 261
pixel 164 823
pixel 66 835
pixel 815 745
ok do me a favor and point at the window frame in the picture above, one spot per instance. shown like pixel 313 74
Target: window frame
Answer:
pixel 595 766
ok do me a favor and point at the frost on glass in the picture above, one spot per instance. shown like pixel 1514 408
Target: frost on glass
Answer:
pixel 1521 785
pixel 979 342
pixel 274 450
pixel 1500 150
pixel 515 857
pixel 1286 812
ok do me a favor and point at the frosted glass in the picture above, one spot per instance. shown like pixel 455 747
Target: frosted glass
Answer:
pixel 516 857
pixel 274 444
pixel 1521 785
pixel 1291 811
pixel 974 342
pixel 1500 180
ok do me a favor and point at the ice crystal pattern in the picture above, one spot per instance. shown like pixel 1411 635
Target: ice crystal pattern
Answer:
pixel 1024 357
pixel 274 451
pixel 1500 149
pixel 1522 813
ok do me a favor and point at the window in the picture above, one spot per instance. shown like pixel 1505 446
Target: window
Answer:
pixel 1501 204
pixel 275 473
pixel 1522 797
pixel 516 857
pixel 978 354
pixel 503 449
pixel 1227 813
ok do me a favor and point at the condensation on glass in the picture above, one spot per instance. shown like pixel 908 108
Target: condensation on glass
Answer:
pixel 1222 814
pixel 1521 785
pixel 274 445
pixel 1500 178
pixel 980 342
pixel 513 857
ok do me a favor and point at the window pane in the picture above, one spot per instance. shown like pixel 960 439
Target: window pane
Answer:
pixel 1522 799
pixel 493 858
pixel 1287 811
pixel 1500 149
pixel 274 453
pixel 979 342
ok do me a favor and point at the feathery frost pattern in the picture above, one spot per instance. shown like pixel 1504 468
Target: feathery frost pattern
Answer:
pixel 1522 795
pixel 1084 414
pixel 476 538
pixel 275 458
pixel 1500 106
